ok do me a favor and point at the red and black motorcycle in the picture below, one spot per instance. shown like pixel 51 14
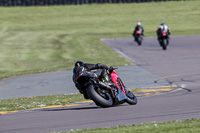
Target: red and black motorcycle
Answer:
pixel 106 94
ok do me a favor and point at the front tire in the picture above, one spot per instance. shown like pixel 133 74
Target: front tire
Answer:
pixel 100 99
pixel 131 98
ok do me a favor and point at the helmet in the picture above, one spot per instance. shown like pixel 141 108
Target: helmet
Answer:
pixel 138 23
pixel 79 63
pixel 163 24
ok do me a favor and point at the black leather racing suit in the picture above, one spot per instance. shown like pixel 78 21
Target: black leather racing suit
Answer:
pixel 160 30
pixel 138 27
pixel 87 68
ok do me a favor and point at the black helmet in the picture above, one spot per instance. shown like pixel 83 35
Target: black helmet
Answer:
pixel 79 63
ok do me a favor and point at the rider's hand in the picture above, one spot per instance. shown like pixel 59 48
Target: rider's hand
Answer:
pixel 108 71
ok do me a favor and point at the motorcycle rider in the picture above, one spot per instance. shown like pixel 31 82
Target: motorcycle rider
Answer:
pixel 163 28
pixel 140 28
pixel 80 68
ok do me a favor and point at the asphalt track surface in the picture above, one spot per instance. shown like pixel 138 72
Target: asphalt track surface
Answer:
pixel 180 64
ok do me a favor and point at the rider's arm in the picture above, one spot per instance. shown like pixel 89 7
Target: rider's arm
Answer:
pixel 95 66
pixel 101 66
pixel 168 31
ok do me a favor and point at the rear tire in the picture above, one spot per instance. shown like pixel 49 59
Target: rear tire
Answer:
pixel 164 48
pixel 164 44
pixel 139 43
pixel 139 40
pixel 105 101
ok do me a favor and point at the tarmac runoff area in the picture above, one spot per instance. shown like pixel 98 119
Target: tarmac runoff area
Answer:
pixel 61 82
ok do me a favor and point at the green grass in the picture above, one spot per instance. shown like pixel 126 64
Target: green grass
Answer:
pixel 52 38
pixel 22 103
pixel 185 126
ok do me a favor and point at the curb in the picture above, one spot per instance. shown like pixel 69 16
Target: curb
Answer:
pixel 155 90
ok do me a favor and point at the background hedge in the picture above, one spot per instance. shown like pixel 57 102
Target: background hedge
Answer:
pixel 66 2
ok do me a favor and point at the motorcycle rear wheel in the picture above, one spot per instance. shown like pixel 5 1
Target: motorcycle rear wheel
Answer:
pixel 131 98
pixel 139 41
pixel 102 101
pixel 164 44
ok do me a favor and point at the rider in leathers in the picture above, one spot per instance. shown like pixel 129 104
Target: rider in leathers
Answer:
pixel 82 68
pixel 163 28
pixel 140 28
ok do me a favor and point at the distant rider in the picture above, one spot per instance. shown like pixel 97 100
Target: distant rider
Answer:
pixel 138 28
pixel 82 68
pixel 163 28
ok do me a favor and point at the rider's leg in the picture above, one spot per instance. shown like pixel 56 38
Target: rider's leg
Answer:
pixel 102 75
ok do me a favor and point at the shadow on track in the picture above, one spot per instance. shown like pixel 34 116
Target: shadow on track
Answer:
pixel 67 108
pixel 80 108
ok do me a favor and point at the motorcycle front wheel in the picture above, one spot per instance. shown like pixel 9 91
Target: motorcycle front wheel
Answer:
pixel 131 98
pixel 100 98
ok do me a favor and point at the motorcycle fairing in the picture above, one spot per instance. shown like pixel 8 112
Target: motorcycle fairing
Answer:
pixel 120 97
pixel 115 79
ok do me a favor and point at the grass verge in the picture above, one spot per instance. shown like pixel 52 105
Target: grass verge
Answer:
pixel 22 103
pixel 185 126
pixel 52 38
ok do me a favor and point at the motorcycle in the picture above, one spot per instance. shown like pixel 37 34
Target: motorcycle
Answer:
pixel 139 37
pixel 164 41
pixel 106 94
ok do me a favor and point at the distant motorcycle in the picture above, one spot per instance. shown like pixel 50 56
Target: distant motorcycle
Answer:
pixel 164 41
pixel 106 94
pixel 139 37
